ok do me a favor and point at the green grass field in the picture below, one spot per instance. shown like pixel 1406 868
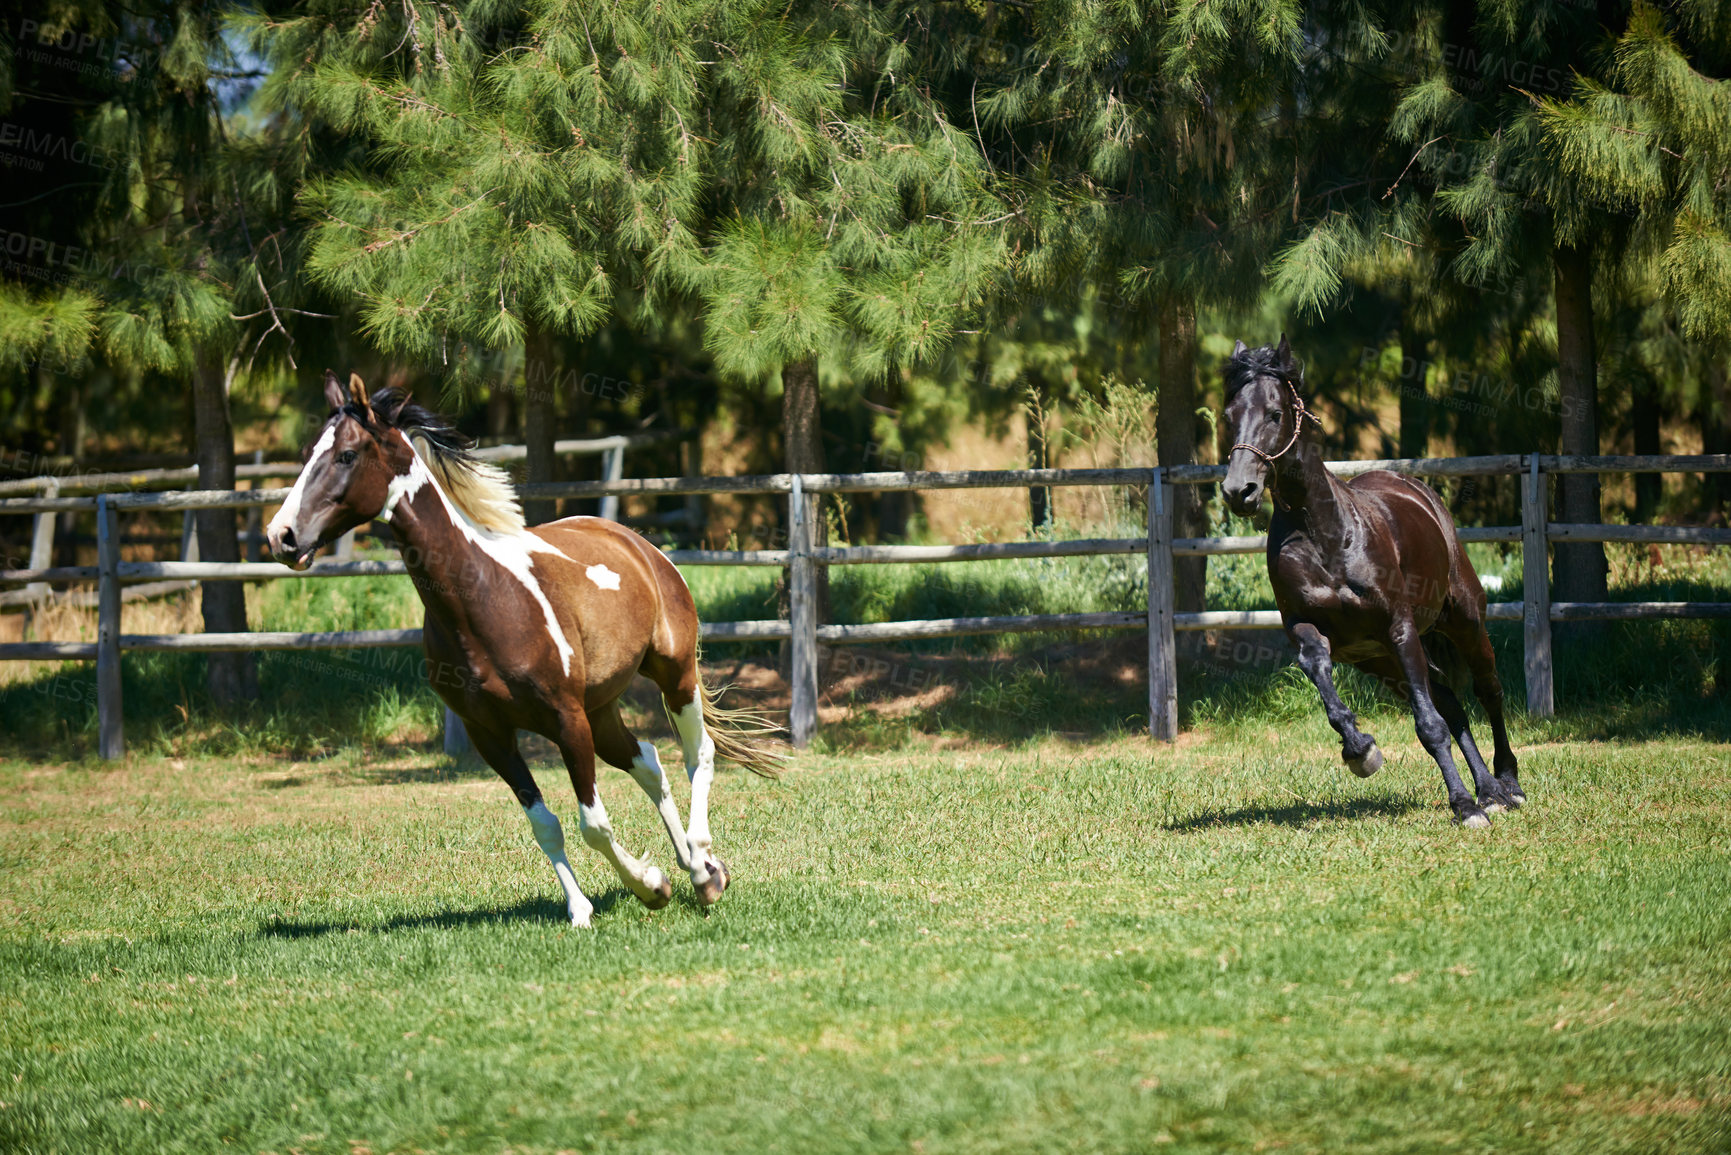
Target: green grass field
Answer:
pixel 1101 946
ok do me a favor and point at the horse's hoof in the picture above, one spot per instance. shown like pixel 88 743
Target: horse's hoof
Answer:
pixel 709 890
pixel 660 894
pixel 1493 806
pixel 1369 764
pixel 1475 820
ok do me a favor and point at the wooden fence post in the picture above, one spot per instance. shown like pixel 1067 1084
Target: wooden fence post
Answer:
pixel 691 450
pixel 111 736
pixel 1162 644
pixel 1536 591
pixel 612 469
pixel 42 543
pixel 255 516
pixel 457 741
pixel 188 537
pixel 802 589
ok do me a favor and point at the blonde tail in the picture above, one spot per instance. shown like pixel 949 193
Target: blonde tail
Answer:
pixel 737 735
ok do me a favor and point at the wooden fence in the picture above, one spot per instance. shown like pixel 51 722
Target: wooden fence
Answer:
pixel 611 450
pixel 803 557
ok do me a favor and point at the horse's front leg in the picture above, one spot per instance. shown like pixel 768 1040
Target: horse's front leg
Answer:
pixel 577 744
pixel 499 749
pixel 1433 730
pixel 1357 749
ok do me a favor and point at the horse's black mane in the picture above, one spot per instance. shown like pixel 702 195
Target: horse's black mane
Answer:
pixel 415 421
pixel 1263 361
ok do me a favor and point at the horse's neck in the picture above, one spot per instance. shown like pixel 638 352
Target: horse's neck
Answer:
pixel 1315 497
pixel 439 557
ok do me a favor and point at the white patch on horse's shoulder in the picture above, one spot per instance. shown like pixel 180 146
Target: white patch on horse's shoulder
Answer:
pixel 603 577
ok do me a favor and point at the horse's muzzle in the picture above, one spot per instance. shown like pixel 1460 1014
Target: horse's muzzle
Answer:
pixel 1245 500
pixel 285 549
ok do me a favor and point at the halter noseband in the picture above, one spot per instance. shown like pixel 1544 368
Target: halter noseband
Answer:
pixel 1299 414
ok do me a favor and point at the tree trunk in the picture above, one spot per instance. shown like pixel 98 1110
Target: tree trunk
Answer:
pixel 802 445
pixel 1645 418
pixel 1578 571
pixel 1714 414
pixel 233 678
pixel 1039 496
pixel 540 383
pixel 1415 411
pixel 1175 442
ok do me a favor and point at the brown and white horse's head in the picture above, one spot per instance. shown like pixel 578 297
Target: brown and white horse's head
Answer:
pixel 372 452
pixel 1262 417
pixel 347 476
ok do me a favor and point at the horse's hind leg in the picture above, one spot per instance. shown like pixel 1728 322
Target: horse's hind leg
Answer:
pixel 615 743
pixel 1357 749
pixel 1474 643
pixel 1433 731
pixel 678 680
pixel 500 752
pixel 577 744
pixel 1493 799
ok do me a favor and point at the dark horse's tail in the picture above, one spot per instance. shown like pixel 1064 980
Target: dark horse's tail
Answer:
pixel 738 734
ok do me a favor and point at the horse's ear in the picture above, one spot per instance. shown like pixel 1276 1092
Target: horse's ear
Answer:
pixel 1284 353
pixel 394 406
pixel 1239 348
pixel 358 394
pixel 333 390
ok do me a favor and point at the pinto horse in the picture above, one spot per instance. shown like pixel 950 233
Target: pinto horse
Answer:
pixel 1368 572
pixel 538 629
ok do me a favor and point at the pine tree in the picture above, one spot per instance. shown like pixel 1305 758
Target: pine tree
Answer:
pixel 170 281
pixel 1150 154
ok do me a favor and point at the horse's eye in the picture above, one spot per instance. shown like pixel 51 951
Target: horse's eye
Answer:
pixel 346 457
pixel 1276 414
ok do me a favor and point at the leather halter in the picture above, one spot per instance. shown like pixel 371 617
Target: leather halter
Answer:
pixel 1299 414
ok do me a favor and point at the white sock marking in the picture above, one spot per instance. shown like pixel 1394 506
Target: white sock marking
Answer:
pixel 643 879
pixel 699 750
pixel 646 768
pixel 550 836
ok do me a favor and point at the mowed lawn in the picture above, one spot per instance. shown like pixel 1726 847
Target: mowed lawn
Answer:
pixel 1113 946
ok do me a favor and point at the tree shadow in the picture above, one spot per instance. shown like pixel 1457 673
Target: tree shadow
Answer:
pixel 1297 813
pixel 550 910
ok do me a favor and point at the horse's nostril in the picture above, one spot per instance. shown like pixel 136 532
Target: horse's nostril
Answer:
pixel 287 540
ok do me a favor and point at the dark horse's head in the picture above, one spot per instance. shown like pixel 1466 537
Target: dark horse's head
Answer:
pixel 358 465
pixel 1263 416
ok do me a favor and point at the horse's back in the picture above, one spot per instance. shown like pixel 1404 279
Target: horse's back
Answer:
pixel 622 585
pixel 1424 532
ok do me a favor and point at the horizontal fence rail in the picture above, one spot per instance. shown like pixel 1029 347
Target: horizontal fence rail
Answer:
pixel 803 558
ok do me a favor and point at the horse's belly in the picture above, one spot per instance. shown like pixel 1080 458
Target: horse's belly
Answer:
pixel 1358 651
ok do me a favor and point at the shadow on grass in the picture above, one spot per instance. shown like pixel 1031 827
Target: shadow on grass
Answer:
pixel 549 910
pixel 1297 814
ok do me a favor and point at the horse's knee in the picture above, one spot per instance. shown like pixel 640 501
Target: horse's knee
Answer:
pixel 1433 732
pixel 646 769
pixel 549 835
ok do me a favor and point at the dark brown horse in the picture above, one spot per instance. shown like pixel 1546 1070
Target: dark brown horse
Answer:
pixel 1368 572
pixel 536 629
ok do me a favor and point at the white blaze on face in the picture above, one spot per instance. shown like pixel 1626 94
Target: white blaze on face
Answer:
pixel 291 506
pixel 603 577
